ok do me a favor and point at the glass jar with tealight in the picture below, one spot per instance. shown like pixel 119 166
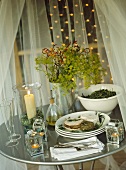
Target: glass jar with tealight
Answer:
pixel 34 143
pixel 114 131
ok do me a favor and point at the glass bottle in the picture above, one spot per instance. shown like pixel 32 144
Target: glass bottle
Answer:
pixel 53 112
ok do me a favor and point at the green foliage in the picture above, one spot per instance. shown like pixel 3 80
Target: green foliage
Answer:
pixel 63 64
pixel 100 94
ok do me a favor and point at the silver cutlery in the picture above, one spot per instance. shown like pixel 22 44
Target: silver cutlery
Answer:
pixel 78 146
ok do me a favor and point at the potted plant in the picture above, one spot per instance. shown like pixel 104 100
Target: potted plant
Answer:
pixel 65 63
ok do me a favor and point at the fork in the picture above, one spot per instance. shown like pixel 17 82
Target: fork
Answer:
pixel 77 145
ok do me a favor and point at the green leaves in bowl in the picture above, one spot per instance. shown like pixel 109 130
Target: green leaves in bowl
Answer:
pixel 100 94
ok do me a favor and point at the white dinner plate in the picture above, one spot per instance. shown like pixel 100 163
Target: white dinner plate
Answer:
pixel 61 120
pixel 79 137
pixel 80 134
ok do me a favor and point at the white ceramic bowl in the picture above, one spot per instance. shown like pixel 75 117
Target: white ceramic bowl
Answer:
pixel 105 105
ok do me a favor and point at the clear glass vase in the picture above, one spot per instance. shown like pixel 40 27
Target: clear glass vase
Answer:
pixel 63 100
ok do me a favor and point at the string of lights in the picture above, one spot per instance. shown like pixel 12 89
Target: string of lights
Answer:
pixel 62 21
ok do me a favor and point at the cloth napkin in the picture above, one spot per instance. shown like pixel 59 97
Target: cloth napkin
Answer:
pixel 70 153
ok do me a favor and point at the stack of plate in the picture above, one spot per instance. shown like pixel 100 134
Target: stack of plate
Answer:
pixel 61 130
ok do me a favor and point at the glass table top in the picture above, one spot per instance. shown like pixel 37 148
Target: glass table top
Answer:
pixel 20 153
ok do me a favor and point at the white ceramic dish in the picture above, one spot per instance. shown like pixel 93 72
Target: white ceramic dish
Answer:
pixel 105 105
pixel 79 137
pixel 65 132
pixel 79 134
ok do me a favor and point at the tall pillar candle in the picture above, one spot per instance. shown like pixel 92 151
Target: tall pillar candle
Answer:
pixel 30 105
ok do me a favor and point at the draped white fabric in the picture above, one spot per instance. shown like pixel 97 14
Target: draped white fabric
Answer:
pixel 112 20
pixel 110 163
pixel 10 14
pixel 111 33
pixel 6 164
pixel 9 24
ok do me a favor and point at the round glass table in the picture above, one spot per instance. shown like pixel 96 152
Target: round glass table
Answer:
pixel 20 153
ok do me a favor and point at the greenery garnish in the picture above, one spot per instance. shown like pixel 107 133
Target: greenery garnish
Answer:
pixel 62 127
pixel 99 94
pixel 96 126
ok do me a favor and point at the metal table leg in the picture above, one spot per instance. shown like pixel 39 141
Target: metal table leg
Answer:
pixel 81 166
pixel 59 167
pixel 92 165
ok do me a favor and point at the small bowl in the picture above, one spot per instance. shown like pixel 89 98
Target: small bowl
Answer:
pixel 105 105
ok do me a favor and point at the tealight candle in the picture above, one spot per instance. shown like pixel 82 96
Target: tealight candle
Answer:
pixel 41 133
pixel 34 133
pixel 114 136
pixel 115 131
pixel 30 105
pixel 121 130
pixel 35 146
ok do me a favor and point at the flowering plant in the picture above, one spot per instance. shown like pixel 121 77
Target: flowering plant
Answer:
pixel 65 63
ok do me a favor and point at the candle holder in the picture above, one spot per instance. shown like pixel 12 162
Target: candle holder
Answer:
pixel 34 143
pixel 39 126
pixel 29 103
pixel 114 131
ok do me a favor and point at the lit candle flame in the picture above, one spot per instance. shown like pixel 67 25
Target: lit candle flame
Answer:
pixel 28 92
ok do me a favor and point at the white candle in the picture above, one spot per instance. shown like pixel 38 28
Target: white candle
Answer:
pixel 30 105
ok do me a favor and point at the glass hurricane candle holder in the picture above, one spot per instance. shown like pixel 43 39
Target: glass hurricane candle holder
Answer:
pixel 115 131
pixel 29 103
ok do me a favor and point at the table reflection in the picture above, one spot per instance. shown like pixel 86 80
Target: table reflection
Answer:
pixel 21 154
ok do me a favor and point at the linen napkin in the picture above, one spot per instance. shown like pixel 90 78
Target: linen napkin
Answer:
pixel 71 152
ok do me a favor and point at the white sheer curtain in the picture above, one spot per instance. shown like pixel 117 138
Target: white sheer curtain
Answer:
pixel 111 16
pixel 10 13
pixel 111 21
pixel 9 20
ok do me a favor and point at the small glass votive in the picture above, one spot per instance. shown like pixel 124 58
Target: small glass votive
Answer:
pixel 34 143
pixel 114 131
pixel 39 126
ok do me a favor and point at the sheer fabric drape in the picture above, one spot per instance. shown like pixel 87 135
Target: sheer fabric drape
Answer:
pixel 10 14
pixel 112 35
